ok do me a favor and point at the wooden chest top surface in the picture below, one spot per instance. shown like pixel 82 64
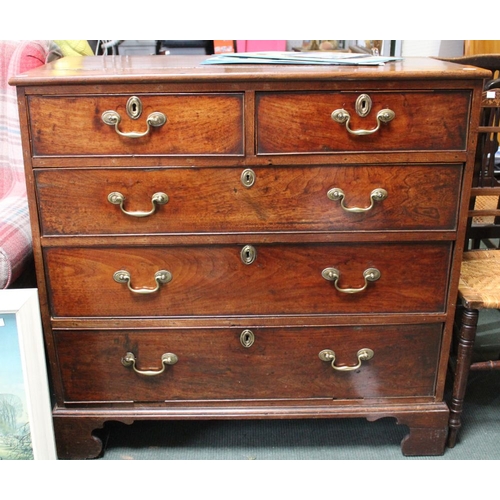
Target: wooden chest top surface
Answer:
pixel 143 69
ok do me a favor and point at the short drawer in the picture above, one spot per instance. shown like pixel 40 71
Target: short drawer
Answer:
pixel 195 124
pixel 282 363
pixel 197 200
pixel 266 279
pixel 301 122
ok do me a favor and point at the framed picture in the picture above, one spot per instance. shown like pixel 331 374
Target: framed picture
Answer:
pixel 26 431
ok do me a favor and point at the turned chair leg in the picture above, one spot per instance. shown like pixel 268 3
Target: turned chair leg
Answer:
pixel 467 336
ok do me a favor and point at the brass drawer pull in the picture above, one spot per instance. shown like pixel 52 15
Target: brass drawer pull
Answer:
pixel 155 119
pixel 167 359
pixel 336 194
pixel 363 355
pixel 343 116
pixel 332 274
pixel 161 277
pixel 117 198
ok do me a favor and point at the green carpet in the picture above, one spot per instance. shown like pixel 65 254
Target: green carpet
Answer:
pixel 328 439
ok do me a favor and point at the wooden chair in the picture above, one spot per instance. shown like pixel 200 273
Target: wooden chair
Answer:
pixel 479 286
pixel 484 222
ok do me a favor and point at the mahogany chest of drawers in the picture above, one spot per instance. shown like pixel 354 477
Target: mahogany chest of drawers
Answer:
pixel 219 242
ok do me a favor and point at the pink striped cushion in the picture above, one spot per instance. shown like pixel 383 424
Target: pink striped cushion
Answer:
pixel 15 238
pixel 16 56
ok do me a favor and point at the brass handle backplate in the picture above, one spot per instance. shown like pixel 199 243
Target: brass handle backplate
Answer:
pixel 363 355
pixel 336 194
pixel 167 359
pixel 332 274
pixel 117 198
pixel 383 116
pixel 112 118
pixel 161 277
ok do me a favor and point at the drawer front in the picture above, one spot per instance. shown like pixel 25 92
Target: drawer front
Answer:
pixel 281 363
pixel 216 280
pixel 76 202
pixel 196 124
pixel 295 122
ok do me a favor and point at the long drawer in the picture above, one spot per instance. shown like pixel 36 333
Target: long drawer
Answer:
pixel 266 279
pixel 301 122
pixel 194 124
pixel 198 200
pixel 219 364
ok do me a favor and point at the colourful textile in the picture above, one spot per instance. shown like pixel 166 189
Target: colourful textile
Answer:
pixel 16 56
pixel 74 47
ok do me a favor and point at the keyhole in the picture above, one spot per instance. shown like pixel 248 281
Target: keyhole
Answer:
pixel 248 254
pixel 247 338
pixel 248 177
pixel 363 105
pixel 134 107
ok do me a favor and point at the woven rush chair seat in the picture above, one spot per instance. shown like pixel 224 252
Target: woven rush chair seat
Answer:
pixel 479 286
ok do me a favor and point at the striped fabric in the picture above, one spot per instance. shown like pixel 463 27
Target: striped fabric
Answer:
pixel 16 56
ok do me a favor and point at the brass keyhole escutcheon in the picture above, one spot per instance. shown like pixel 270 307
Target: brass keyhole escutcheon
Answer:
pixel 247 338
pixel 134 107
pixel 248 177
pixel 363 105
pixel 248 254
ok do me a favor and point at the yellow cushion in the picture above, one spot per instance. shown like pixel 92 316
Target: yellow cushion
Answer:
pixel 74 47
